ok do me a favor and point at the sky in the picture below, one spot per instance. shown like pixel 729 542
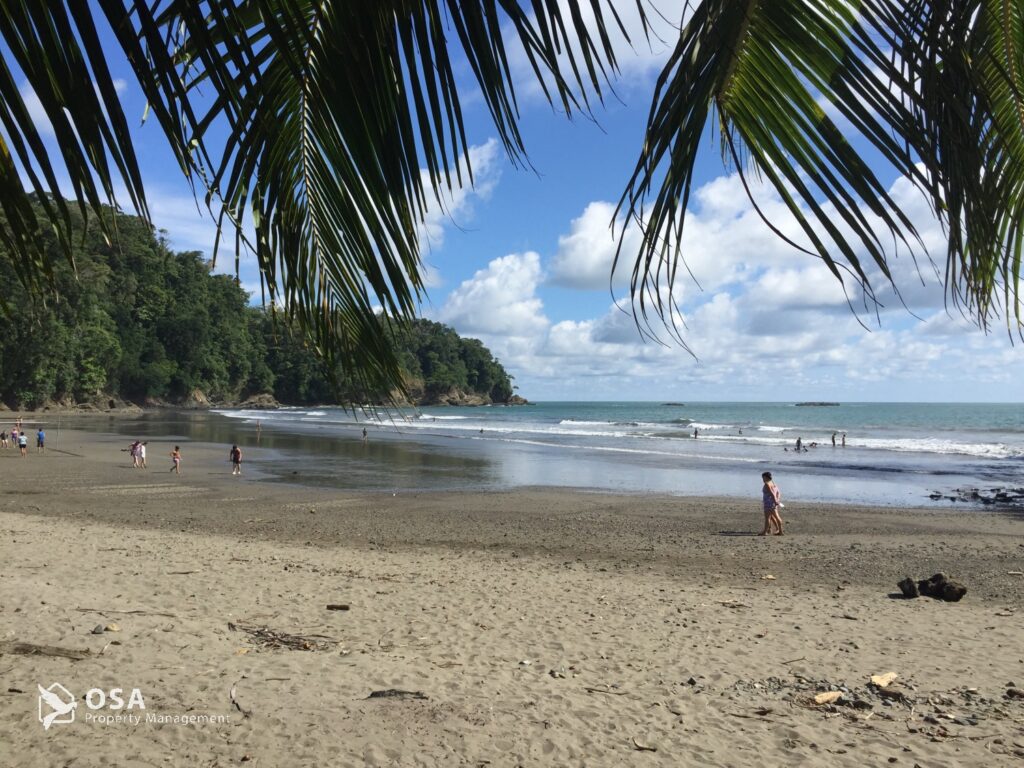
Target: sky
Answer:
pixel 523 261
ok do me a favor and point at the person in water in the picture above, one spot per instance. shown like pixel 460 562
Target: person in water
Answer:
pixel 771 499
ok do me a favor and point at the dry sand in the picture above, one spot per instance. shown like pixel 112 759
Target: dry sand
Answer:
pixel 543 627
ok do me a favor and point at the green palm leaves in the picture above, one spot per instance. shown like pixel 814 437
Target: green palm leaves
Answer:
pixel 304 126
pixel 932 89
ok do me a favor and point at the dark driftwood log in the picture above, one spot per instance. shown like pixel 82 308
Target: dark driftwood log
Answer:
pixel 394 693
pixel 938 587
pixel 908 587
pixel 31 649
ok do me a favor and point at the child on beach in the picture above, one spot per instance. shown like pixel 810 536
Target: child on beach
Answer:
pixel 176 458
pixel 771 498
pixel 236 460
pixel 23 443
pixel 40 441
pixel 141 450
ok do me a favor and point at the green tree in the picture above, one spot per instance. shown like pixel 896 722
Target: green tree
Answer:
pixel 312 118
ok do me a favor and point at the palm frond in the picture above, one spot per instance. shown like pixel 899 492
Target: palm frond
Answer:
pixel 56 49
pixel 933 88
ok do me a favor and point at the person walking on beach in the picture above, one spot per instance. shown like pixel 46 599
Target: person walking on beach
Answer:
pixel 141 451
pixel 23 443
pixel 365 436
pixel 3 439
pixel 40 441
pixel 236 460
pixel 771 499
pixel 176 458
pixel 133 451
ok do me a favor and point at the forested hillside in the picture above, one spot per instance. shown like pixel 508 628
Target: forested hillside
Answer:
pixel 144 324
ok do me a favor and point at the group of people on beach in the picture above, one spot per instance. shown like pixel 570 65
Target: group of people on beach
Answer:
pixel 18 438
pixel 137 452
pixel 801 448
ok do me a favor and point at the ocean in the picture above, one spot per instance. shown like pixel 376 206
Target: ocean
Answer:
pixel 896 454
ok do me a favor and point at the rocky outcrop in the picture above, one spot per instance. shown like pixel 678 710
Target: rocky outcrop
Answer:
pixel 259 402
pixel 196 399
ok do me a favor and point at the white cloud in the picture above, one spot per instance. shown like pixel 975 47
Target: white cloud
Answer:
pixel 456 206
pixel 585 254
pixel 638 60
pixel 499 300
pixel 771 323
pixel 37 112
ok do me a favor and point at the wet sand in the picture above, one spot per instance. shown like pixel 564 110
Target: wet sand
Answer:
pixel 544 627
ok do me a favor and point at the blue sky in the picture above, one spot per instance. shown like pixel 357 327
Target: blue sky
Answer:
pixel 523 262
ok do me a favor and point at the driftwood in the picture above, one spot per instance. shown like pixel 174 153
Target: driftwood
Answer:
pixel 394 693
pixel 138 612
pixel 270 638
pixel 31 649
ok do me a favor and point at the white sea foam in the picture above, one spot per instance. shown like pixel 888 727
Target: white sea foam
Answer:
pixel 937 445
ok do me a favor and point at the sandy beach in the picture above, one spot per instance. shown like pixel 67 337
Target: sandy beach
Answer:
pixel 532 627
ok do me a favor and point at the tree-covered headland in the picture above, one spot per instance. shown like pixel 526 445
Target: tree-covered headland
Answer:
pixel 145 324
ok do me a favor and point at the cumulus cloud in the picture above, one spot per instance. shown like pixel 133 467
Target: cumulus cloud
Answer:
pixel 769 323
pixel 456 206
pixel 500 300
pixel 640 53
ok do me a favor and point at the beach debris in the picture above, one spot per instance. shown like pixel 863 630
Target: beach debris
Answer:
pixel 892 693
pixel 31 649
pixel 138 611
pixel 1015 573
pixel 112 627
pixel 767 577
pixel 1014 693
pixel 269 638
pixel 525 663
pixel 882 681
pixel 938 586
pixel 908 587
pixel 337 606
pixel 604 690
pixel 828 697
pixel 234 699
pixel 99 629
pixel 641 747
pixel 395 693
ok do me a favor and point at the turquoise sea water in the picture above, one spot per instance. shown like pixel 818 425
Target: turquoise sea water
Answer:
pixel 895 454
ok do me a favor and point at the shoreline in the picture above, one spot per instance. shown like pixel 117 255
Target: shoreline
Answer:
pixel 542 627
pixel 331 456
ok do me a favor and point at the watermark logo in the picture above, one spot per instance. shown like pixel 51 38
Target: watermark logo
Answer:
pixel 112 707
pixel 59 705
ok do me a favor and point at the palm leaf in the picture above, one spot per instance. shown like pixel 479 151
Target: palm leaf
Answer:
pixel 933 88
